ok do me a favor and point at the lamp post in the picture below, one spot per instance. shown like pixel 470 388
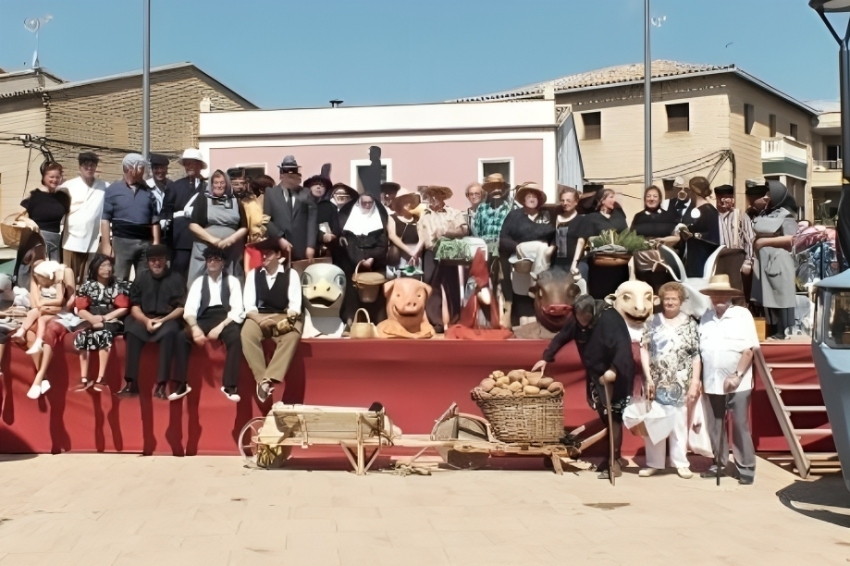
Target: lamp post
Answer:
pixel 146 79
pixel 823 7
pixel 647 99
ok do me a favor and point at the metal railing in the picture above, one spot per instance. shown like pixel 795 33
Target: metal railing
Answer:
pixel 829 165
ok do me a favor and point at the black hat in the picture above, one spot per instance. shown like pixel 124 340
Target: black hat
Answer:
pixel 236 172
pixel 158 159
pixel 157 250
pixel 755 189
pixel 214 251
pixel 390 187
pixel 724 190
pixel 267 244
pixel 350 190
pixel 88 157
pixel 289 165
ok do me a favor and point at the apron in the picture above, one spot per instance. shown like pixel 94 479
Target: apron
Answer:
pixel 222 222
pixel 774 285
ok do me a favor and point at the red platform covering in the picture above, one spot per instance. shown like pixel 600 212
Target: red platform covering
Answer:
pixel 415 380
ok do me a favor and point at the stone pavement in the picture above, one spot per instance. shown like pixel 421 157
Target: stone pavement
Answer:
pixel 120 510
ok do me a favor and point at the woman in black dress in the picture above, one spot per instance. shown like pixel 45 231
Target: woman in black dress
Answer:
pixel 602 280
pixel 402 229
pixel 655 223
pixel 327 214
pixel 47 207
pixel 102 301
pixel 528 224
pixel 703 222
pixel 364 241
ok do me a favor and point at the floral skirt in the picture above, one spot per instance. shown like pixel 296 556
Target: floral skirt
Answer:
pixel 96 339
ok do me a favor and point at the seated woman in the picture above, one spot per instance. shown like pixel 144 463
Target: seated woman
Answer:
pixel 659 226
pixel 601 280
pixel 703 224
pixel 327 214
pixel 218 219
pixel 364 242
pixel 103 302
pixel 527 232
pixel 402 232
pixel 670 357
pixel 774 285
pixel 567 226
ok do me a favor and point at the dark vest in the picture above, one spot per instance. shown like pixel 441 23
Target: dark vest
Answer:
pixel 276 299
pixel 205 293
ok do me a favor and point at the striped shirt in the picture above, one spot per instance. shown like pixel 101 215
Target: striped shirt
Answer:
pixel 736 231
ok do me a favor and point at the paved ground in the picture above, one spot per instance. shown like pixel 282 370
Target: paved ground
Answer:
pixel 122 510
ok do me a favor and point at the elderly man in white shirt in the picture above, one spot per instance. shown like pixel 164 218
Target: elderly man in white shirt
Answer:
pixel 273 310
pixel 727 342
pixel 214 311
pixel 82 223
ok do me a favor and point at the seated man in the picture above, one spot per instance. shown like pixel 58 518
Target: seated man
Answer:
pixel 214 310
pixel 272 310
pixel 157 297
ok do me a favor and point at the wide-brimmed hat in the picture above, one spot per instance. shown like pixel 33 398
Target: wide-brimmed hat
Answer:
pixel 724 190
pixel 529 187
pixel 390 187
pixel 405 198
pixel 493 182
pixel 719 285
pixel 352 192
pixel 195 154
pixel 442 193
pixel 289 165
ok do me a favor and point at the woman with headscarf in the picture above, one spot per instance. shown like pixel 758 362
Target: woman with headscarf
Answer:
pixel 703 227
pixel 774 286
pixel 46 207
pixel 327 214
pixel 655 223
pixel 364 242
pixel 601 280
pixel 218 219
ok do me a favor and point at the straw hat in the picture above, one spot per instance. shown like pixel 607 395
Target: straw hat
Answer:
pixel 527 188
pixel 442 193
pixel 405 198
pixel 719 285
pixel 493 182
pixel 195 154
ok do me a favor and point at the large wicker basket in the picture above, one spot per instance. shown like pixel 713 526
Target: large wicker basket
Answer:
pixel 14 231
pixel 529 419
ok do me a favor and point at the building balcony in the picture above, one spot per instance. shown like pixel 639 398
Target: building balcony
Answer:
pixel 785 156
pixel 824 177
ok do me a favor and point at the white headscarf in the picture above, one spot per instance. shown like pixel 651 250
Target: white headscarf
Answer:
pixel 361 222
pixel 48 269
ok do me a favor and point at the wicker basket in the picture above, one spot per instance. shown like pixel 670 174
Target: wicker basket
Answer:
pixel 14 231
pixel 530 419
pixel 611 260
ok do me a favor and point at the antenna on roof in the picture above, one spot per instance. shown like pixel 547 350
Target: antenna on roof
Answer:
pixel 658 21
pixel 335 103
pixel 34 25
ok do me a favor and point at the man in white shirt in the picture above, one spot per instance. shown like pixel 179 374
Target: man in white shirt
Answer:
pixel 727 342
pixel 272 310
pixel 214 311
pixel 82 223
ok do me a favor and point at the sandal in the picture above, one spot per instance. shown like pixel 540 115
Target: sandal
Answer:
pixel 84 384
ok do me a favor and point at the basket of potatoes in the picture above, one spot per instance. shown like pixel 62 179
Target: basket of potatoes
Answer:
pixel 522 406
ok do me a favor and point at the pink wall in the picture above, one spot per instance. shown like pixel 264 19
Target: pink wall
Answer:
pixel 451 164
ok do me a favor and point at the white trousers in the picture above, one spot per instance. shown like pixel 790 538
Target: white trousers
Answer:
pixel 536 252
pixel 678 439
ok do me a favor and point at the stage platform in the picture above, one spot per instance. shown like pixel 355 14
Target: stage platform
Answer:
pixel 415 380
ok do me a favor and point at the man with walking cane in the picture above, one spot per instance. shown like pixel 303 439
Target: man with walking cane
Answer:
pixel 727 341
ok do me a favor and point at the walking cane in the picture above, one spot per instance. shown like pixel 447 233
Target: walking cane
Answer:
pixel 608 394
pixel 720 439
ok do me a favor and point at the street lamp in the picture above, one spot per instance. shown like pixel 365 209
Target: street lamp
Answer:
pixel 823 7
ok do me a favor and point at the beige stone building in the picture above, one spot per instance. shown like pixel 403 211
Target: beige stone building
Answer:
pixel 41 115
pixel 716 121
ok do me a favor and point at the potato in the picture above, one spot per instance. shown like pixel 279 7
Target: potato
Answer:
pixel 488 384
pixel 544 382
pixel 516 375
pixel 501 393
pixel 515 386
pixel 503 380
pixel 524 382
pixel 483 394
pixel 497 374
pixel 545 393
pixel 531 390
pixel 556 387
pixel 534 380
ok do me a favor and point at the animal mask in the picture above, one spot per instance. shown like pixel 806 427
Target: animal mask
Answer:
pixel 406 309
pixel 323 285
pixel 634 300
pixel 554 291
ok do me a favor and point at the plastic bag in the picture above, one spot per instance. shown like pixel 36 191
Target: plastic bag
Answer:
pixel 657 419
pixel 698 440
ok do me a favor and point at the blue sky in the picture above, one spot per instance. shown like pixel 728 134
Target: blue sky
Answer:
pixel 297 53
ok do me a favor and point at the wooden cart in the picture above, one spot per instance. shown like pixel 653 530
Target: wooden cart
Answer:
pixel 461 440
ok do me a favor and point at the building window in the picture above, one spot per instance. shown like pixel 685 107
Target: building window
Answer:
pixel 793 131
pixel 253 170
pixel 502 165
pixel 833 157
pixel 749 118
pixel 592 125
pixel 773 125
pixel 360 165
pixel 678 117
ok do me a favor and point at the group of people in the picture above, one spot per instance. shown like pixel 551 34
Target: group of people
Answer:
pixel 212 257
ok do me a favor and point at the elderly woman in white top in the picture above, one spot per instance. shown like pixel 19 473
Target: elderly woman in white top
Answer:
pixel 727 342
pixel 671 363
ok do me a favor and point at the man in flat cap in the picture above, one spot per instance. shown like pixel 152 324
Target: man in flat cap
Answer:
pixel 159 183
pixel 130 217
pixel 157 298
pixel 736 228
pixel 293 218
pixel 81 235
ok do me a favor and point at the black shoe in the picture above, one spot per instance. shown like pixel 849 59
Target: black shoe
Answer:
pixel 160 392
pixel 231 393
pixel 605 473
pixel 180 392
pixel 746 481
pixel 438 329
pixel 130 389
pixel 711 473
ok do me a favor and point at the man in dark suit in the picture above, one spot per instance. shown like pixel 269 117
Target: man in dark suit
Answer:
pixel 177 209
pixel 292 217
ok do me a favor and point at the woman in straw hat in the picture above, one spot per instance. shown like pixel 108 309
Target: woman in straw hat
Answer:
pixel 527 232
pixel 402 231
pixel 727 341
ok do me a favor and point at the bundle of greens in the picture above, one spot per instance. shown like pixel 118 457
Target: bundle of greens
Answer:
pixel 624 242
pixel 453 250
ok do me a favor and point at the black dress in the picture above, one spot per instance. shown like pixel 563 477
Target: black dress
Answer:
pixel 655 224
pixel 518 228
pixel 327 213
pixel 603 281
pixel 566 240
pixel 705 227
pixel 408 233
pixel 358 248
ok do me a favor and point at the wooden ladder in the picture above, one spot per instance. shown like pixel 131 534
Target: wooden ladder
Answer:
pixel 803 461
